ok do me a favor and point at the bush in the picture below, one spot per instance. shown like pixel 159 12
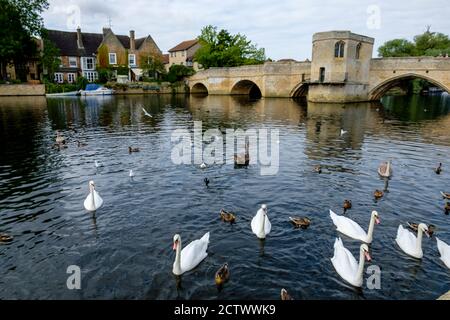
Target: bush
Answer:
pixel 82 83
pixel 177 72
pixel 60 87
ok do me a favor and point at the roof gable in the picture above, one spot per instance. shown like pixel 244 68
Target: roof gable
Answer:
pixel 184 45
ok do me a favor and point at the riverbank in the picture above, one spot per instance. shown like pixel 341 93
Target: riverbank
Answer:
pixel 22 90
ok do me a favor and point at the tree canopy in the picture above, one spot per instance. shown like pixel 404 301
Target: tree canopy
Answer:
pixel 20 20
pixel 222 49
pixel 425 44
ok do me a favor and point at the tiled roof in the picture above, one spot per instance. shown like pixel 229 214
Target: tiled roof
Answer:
pixel 165 59
pixel 184 45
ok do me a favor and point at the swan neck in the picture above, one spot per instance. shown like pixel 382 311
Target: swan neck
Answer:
pixel 177 263
pixel 370 230
pixel 263 222
pixel 419 239
pixel 93 197
pixel 359 274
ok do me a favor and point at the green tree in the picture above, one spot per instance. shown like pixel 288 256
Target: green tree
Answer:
pixel 425 44
pixel 222 49
pixel 50 58
pixel 20 20
pixel 152 65
pixel 177 72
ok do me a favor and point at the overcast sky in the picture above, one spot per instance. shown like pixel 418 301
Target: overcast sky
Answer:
pixel 284 27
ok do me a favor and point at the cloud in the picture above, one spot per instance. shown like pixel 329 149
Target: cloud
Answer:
pixel 284 28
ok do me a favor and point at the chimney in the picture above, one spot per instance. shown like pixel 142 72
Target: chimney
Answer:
pixel 79 39
pixel 106 31
pixel 132 41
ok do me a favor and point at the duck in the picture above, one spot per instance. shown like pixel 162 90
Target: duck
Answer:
pixel 346 265
pixel 300 222
pixel 350 228
pixel 5 237
pixel 222 275
pixel 444 251
pixel 285 295
pixel 190 256
pixel 260 224
pixel 438 170
pixel 243 159
pixel 409 243
pixel 227 216
pixel 385 169
pixel 378 194
pixel 414 226
pixel 445 195
pixel 131 149
pixel 80 144
pixel 206 181
pixel 447 207
pixel 318 169
pixel 347 205
pixel 60 138
pixel 93 201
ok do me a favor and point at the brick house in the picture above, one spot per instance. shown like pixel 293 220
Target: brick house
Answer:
pixel 183 54
pixel 82 54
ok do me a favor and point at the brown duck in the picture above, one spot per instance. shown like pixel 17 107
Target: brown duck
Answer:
pixel 445 195
pixel 227 216
pixel 414 226
pixel 5 237
pixel 222 275
pixel 378 194
pixel 131 149
pixel 300 222
pixel 318 169
pixel 347 205
pixel 285 295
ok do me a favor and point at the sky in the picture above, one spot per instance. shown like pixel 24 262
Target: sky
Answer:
pixel 284 27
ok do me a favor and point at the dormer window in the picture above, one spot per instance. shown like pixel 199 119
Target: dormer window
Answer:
pixel 339 49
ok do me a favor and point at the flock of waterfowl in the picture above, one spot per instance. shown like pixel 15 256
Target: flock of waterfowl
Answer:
pixel 343 261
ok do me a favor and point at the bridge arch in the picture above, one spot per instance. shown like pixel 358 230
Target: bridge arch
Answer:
pixel 199 88
pixel 300 90
pixel 380 90
pixel 246 87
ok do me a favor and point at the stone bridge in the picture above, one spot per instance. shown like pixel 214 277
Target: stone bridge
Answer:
pixel 342 70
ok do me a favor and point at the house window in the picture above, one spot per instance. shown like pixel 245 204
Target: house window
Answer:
pixel 91 76
pixel 339 49
pixel 132 59
pixel 59 77
pixel 112 58
pixel 73 62
pixel 358 50
pixel 88 63
pixel 322 75
pixel 183 53
pixel 71 77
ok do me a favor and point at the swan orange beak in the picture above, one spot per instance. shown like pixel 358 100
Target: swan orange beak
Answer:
pixel 377 220
pixel 175 245
pixel 368 258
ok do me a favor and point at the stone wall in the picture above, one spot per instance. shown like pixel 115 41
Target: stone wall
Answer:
pixel 22 90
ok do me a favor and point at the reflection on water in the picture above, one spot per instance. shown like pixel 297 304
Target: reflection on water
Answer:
pixel 124 249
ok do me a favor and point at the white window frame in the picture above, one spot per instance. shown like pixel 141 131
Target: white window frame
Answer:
pixel 71 60
pixel 91 76
pixel 71 77
pixel 58 77
pixel 84 63
pixel 134 59
pixel 112 54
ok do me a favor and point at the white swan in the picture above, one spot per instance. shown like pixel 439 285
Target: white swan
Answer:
pixel 409 243
pixel 444 250
pixel 131 174
pixel 343 132
pixel 188 258
pixel 203 165
pixel 385 169
pixel 146 113
pixel 260 223
pixel 346 265
pixel 93 200
pixel 350 228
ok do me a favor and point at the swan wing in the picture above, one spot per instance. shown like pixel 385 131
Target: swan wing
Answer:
pixel 267 225
pixel 256 224
pixel 348 227
pixel 98 200
pixel 88 203
pixel 344 262
pixel 405 239
pixel 194 253
pixel 444 250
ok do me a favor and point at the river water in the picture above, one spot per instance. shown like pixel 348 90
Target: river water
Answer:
pixel 124 250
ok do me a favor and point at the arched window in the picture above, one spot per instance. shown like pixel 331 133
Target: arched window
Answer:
pixel 339 49
pixel 358 49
